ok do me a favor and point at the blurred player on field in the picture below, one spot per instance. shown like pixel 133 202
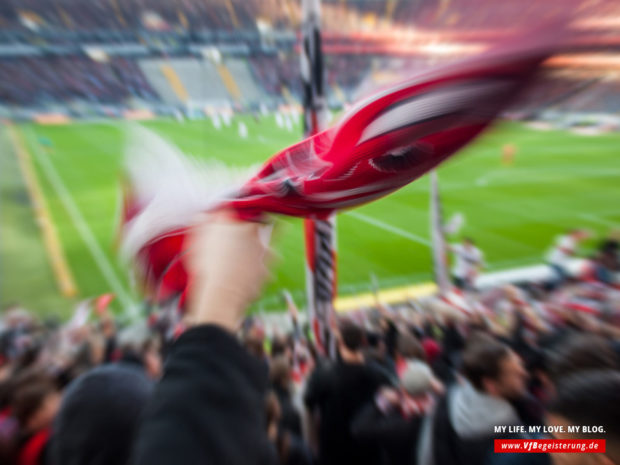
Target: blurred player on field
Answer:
pixel 563 250
pixel 468 261
pixel 508 154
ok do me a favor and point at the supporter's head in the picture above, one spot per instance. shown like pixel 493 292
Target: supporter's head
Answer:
pixel 281 348
pixel 351 341
pixel 89 354
pixel 15 316
pixel 280 372
pixel 254 345
pixel 493 368
pixel 588 398
pixel 582 352
pixel 257 331
pixel 99 416
pixel 97 349
pixel 579 234
pixel 35 402
pixel 138 345
pixel 418 379
pixel 409 347
pixel 432 349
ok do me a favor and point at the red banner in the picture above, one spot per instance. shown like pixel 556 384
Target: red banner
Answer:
pixel 539 446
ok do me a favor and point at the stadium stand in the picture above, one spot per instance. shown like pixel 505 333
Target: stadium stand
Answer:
pixel 175 82
pixel 30 80
pixel 202 79
pixel 239 70
pixel 152 70
pixel 276 73
pixel 183 80
pixel 229 81
pixel 603 97
pixel 257 42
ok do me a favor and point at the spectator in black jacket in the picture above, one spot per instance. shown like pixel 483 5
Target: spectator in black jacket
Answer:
pixel 336 392
pixel 280 374
pixel 291 449
pixel 99 416
pixel 392 421
pixel 209 406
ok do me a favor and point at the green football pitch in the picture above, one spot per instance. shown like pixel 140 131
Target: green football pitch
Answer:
pixel 558 180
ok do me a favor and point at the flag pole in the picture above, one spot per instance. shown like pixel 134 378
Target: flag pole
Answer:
pixel 438 239
pixel 320 233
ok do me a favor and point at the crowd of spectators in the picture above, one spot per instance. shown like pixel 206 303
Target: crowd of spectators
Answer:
pixel 275 72
pixel 250 15
pixel 422 383
pixel 136 14
pixel 347 71
pixel 603 96
pixel 33 80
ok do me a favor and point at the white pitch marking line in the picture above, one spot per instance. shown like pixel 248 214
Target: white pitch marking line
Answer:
pixel 596 219
pixel 82 227
pixel 388 227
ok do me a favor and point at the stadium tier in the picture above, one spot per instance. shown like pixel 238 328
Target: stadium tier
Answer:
pixel 27 81
pixel 249 81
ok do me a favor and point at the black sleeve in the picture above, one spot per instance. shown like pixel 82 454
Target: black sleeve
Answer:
pixel 517 338
pixel 381 377
pixel 110 347
pixel 371 425
pixel 209 406
pixel 316 387
pixel 391 339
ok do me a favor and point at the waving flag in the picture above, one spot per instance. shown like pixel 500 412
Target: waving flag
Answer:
pixel 383 143
pixel 393 137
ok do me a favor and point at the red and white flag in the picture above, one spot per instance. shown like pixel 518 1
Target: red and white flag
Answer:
pixel 383 143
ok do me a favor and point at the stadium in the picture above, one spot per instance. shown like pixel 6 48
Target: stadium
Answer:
pixel 515 235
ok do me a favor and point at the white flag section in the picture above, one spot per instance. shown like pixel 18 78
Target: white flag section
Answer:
pixel 440 249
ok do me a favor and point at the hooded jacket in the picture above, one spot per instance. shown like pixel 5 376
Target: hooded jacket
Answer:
pixel 461 430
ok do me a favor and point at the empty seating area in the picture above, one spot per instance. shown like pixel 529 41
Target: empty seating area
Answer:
pixel 242 75
pixel 200 80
